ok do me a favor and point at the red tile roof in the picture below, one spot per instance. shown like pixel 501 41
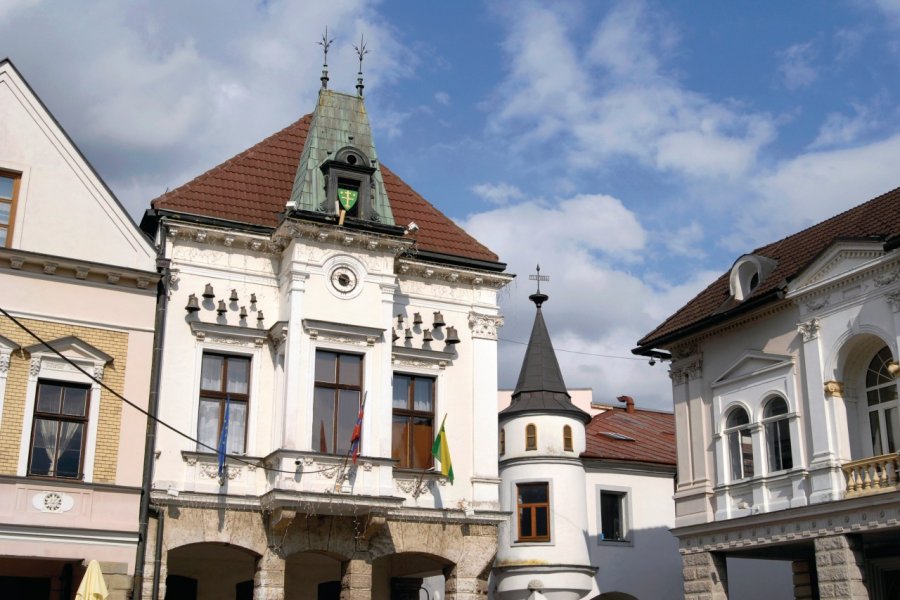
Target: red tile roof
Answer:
pixel 878 218
pixel 651 433
pixel 254 186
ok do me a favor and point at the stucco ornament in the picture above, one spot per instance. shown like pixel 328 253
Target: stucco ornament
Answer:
pixel 834 389
pixel 485 326
pixel 808 329
pixel 4 363
pixel 52 502
pixel 894 299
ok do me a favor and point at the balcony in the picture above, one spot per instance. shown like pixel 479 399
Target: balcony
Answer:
pixel 874 475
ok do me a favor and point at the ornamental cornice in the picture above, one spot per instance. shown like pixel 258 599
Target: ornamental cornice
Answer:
pixel 484 326
pixel 223 238
pixel 228 334
pixel 58 267
pixel 851 516
pixel 428 271
pixel 867 275
pixel 329 234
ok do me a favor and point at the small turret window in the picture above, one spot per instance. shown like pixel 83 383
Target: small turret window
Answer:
pixel 531 437
pixel 502 442
pixel 567 439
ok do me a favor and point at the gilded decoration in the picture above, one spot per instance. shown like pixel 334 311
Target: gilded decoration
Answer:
pixel 834 389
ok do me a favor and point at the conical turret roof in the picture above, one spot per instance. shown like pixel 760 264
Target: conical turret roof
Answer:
pixel 541 389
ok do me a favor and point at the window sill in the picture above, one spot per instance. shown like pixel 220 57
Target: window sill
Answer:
pixel 627 543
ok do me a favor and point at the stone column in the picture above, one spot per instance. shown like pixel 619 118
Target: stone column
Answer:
pixel 705 576
pixel 268 581
pixel 840 569
pixel 804 580
pixel 459 586
pixel 356 578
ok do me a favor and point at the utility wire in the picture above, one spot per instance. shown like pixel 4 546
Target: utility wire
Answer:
pixel 578 352
pixel 122 398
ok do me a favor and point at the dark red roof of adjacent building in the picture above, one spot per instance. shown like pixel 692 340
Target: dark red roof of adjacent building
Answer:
pixel 644 436
pixel 876 219
pixel 254 186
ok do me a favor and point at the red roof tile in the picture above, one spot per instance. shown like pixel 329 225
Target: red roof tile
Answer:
pixel 878 218
pixel 651 433
pixel 254 186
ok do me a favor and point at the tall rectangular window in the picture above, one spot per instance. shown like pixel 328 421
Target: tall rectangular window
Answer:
pixel 413 421
pixel 336 398
pixel 60 423
pixel 533 509
pixel 224 383
pixel 9 189
pixel 612 516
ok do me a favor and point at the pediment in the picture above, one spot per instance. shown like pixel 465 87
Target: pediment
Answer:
pixel 840 258
pixel 751 364
pixel 72 348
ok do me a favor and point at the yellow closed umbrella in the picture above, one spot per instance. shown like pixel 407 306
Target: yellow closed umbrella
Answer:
pixel 92 586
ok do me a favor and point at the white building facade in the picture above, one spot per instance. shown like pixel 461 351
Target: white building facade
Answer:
pixel 785 399
pixel 312 291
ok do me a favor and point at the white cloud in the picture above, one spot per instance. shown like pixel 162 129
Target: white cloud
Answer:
pixel 497 193
pixel 840 129
pixel 442 98
pixel 618 101
pixel 156 92
pixel 890 9
pixel 686 240
pixel 810 187
pixel 795 66
pixel 596 306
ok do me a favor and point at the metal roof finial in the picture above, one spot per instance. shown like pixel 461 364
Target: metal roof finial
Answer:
pixel 539 298
pixel 325 43
pixel 361 51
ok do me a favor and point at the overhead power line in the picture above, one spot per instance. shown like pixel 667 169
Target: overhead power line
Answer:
pixel 578 351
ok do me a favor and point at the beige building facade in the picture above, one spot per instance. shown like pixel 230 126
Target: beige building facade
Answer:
pixel 76 331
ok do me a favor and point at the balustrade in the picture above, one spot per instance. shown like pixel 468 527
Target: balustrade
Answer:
pixel 872 475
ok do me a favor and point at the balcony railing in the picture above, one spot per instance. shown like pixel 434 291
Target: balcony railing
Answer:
pixel 872 475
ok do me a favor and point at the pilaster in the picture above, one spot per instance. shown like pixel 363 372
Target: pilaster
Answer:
pixel 484 408
pixel 840 569
pixel 294 376
pixel 268 581
pixel 705 576
pixel 356 577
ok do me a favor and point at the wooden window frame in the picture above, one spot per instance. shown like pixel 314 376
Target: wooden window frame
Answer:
pixel 222 395
pixel 530 437
pixel 61 418
pixel 337 386
pixel 9 227
pixel 568 446
pixel 409 413
pixel 532 506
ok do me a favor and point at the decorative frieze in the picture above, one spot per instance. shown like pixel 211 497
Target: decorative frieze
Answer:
pixel 485 326
pixel 884 279
pixel 814 304
pixel 808 329
pixel 454 275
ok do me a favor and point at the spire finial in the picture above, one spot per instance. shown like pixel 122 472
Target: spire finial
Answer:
pixel 361 51
pixel 539 298
pixel 325 43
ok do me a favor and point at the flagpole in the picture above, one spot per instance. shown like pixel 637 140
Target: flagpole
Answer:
pixel 339 480
pixel 417 491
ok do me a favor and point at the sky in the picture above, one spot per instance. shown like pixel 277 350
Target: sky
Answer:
pixel 635 149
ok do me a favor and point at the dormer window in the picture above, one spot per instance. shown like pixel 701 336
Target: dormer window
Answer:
pixel 348 186
pixel 747 273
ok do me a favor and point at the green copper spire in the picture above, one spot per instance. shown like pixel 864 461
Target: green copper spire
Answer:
pixel 340 128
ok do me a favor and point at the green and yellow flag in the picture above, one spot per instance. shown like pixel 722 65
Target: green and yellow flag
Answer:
pixel 441 451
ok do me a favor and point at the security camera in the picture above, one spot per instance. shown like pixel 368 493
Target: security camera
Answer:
pixel 412 227
pixel 297 462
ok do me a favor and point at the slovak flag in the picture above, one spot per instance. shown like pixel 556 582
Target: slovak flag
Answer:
pixel 357 431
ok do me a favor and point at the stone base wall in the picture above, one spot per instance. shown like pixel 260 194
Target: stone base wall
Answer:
pixel 462 551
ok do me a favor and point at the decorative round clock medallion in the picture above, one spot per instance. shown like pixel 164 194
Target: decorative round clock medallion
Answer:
pixel 343 279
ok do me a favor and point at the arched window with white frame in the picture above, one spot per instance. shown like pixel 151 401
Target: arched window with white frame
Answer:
pixel 740 445
pixel 778 434
pixel 881 399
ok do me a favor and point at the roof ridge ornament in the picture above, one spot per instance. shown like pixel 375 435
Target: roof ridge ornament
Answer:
pixel 538 298
pixel 325 43
pixel 361 51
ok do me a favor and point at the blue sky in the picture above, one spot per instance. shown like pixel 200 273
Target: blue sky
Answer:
pixel 633 148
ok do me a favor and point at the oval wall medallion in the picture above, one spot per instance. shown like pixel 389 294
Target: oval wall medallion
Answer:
pixel 53 502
